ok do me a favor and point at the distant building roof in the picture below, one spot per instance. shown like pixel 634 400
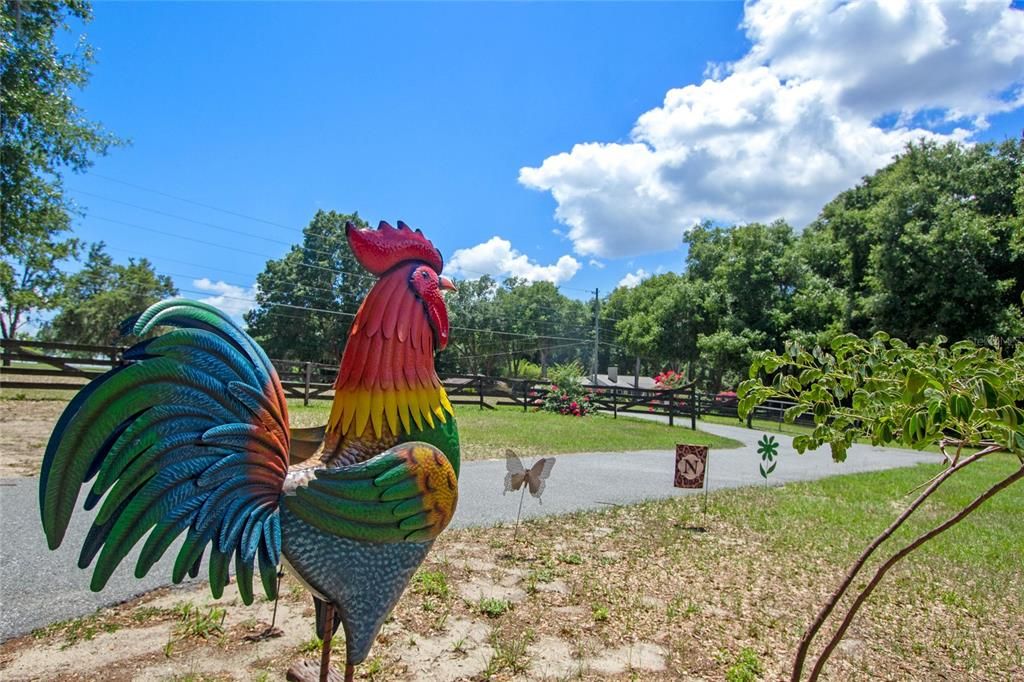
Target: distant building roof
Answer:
pixel 625 381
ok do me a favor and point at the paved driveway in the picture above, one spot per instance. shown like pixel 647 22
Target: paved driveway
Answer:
pixel 38 587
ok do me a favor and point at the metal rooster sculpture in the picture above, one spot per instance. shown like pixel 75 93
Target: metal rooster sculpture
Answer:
pixel 192 437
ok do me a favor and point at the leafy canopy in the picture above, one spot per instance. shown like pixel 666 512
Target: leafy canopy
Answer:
pixel 932 244
pixel 42 133
pixel 305 301
pixel 98 298
pixel 962 395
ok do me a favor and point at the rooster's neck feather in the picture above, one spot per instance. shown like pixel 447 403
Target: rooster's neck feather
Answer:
pixel 387 378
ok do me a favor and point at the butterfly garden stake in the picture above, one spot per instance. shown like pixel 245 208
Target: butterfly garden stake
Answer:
pixel 768 448
pixel 517 476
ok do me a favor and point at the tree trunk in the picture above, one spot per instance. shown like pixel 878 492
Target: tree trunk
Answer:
pixel 896 558
pixel 834 598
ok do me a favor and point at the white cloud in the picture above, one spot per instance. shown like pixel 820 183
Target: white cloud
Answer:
pixel 497 257
pixel 780 132
pixel 633 278
pixel 885 57
pixel 232 299
pixel 594 263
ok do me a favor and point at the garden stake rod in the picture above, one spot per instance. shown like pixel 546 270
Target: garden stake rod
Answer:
pixel 519 513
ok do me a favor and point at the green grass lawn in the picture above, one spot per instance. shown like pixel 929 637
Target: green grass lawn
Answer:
pixel 759 424
pixel 486 433
pixel 836 517
pixel 951 610
pixel 35 393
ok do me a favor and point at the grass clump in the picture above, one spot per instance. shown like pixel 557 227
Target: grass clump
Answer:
pixel 193 622
pixel 432 584
pixel 314 645
pixel 510 653
pixel 746 668
pixel 77 630
pixel 493 608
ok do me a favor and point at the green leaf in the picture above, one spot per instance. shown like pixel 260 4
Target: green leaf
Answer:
pixel 990 394
pixel 791 413
pixel 844 341
pixel 961 406
pixel 838 450
pixel 808 376
pixel 791 384
pixel 916 380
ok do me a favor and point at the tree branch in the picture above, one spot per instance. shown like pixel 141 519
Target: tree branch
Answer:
pixel 826 610
pixel 884 568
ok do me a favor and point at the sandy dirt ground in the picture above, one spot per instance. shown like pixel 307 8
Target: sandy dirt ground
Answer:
pixel 25 427
pixel 628 594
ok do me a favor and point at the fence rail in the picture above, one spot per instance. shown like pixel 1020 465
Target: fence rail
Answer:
pixel 309 381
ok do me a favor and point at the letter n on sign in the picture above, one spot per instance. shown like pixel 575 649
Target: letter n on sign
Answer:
pixel 691 464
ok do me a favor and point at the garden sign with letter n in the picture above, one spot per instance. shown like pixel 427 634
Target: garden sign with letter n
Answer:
pixel 691 465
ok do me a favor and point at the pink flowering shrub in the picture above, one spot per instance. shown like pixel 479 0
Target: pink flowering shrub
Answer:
pixel 670 378
pixel 567 394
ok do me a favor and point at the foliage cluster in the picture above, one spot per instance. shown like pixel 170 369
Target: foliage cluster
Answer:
pixel 98 298
pixel 42 133
pixel 930 245
pixel 568 395
pixel 963 395
pixel 305 300
pixel 670 378
pixel 966 398
pixel 534 322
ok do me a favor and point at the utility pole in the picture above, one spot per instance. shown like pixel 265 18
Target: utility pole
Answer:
pixel 597 332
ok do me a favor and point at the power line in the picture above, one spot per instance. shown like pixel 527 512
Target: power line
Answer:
pixel 194 202
pixel 518 351
pixel 231 230
pixel 182 218
pixel 209 294
pixel 240 215
pixel 227 247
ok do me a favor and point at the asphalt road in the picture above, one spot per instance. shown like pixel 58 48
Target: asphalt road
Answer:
pixel 38 587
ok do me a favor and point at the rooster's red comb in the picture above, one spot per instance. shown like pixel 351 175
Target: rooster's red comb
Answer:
pixel 382 249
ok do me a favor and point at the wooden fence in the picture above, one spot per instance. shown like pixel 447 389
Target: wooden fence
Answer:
pixel 38 365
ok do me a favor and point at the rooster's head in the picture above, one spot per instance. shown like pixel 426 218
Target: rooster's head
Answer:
pixel 405 254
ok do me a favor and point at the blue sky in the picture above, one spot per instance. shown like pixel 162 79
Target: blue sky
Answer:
pixel 571 142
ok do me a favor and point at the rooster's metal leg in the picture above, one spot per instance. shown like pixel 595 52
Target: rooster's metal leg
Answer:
pixel 350 672
pixel 325 637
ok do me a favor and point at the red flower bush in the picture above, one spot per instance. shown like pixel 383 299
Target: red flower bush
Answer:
pixel 567 394
pixel 670 378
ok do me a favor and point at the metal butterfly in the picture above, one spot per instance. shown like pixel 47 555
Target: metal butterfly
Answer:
pixel 535 477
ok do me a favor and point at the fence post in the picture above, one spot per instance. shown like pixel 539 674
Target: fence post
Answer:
pixel 305 392
pixel 750 418
pixel 615 402
pixel 480 390
pixel 671 407
pixel 526 385
pixel 693 407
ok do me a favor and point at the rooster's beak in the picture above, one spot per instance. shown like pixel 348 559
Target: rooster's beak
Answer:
pixel 446 283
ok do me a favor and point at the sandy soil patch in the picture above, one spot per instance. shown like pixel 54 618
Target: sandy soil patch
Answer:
pixel 630 593
pixel 25 427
